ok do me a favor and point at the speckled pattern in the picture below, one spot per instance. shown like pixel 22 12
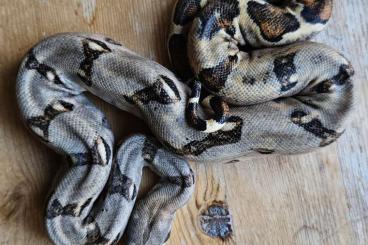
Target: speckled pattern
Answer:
pixel 266 94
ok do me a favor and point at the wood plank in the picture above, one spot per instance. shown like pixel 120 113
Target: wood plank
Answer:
pixel 315 198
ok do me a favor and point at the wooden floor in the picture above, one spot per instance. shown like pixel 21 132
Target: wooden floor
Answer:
pixel 316 198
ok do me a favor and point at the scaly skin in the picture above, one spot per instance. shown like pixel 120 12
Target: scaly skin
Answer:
pixel 289 99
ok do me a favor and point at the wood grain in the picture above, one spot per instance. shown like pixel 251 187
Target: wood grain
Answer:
pixel 315 198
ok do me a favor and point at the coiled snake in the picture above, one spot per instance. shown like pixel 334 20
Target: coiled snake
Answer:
pixel 265 90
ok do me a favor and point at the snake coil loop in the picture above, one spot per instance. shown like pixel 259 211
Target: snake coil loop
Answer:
pixel 268 91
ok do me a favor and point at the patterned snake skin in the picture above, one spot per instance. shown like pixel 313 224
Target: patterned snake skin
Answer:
pixel 263 89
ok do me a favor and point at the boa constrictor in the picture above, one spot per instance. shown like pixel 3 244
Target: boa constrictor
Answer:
pixel 286 95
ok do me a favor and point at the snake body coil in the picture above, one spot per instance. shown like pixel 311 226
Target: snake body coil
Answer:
pixel 259 98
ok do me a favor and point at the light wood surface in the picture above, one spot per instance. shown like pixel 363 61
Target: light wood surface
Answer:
pixel 316 198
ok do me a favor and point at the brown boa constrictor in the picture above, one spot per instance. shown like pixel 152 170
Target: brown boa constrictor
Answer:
pixel 265 90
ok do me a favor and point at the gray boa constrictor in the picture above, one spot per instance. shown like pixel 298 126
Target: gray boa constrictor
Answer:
pixel 264 93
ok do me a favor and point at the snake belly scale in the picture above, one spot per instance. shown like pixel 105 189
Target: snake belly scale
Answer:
pixel 245 82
